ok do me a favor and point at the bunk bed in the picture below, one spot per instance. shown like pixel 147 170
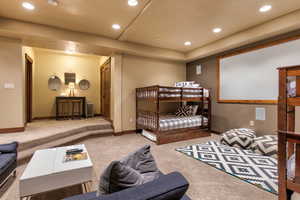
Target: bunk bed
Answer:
pixel 288 140
pixel 165 128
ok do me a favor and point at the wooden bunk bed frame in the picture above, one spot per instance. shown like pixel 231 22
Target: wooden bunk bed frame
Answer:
pixel 288 140
pixel 157 94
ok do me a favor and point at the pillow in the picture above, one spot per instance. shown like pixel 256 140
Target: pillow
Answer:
pixel 240 138
pixel 184 111
pixel 194 110
pixel 266 145
pixel 141 160
pixel 118 176
pixel 291 167
pixel 135 169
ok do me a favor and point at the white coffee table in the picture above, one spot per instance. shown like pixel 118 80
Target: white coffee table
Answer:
pixel 47 171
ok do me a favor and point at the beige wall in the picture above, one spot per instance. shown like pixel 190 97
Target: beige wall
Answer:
pixel 48 63
pixel 142 72
pixel 11 101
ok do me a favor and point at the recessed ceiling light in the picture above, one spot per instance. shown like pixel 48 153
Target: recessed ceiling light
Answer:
pixel 116 26
pixel 188 43
pixel 133 2
pixel 53 2
pixel 28 6
pixel 217 30
pixel 265 8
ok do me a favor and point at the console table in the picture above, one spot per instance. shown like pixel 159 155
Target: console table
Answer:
pixel 65 107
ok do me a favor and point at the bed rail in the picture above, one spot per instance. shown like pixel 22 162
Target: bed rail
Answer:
pixel 288 139
pixel 147 120
pixel 163 93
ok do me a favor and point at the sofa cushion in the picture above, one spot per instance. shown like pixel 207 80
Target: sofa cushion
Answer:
pixel 9 148
pixel 241 138
pixel 6 159
pixel 135 169
pixel 266 145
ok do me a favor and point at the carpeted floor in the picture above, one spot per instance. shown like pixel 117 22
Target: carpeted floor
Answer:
pixel 206 183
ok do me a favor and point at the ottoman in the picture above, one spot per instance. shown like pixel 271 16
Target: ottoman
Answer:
pixel 241 138
pixel 266 145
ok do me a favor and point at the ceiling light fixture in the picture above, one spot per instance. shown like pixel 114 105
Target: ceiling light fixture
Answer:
pixel 28 6
pixel 265 8
pixel 116 26
pixel 133 3
pixel 217 30
pixel 53 2
pixel 187 43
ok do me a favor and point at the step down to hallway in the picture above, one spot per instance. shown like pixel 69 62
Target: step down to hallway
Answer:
pixel 51 133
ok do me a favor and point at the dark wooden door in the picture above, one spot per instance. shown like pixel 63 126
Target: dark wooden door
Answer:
pixel 28 87
pixel 105 89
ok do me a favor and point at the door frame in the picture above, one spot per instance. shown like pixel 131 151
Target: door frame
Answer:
pixel 28 88
pixel 108 61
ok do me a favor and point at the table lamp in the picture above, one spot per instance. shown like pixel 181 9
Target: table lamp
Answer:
pixel 71 88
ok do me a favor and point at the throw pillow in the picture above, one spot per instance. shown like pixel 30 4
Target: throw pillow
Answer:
pixel 266 145
pixel 141 160
pixel 135 169
pixel 118 176
pixel 184 111
pixel 241 138
pixel 291 167
pixel 195 109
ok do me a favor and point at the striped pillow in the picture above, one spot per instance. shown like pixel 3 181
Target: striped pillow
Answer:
pixel 184 111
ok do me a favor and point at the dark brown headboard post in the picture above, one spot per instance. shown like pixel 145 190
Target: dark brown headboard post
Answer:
pixel 282 183
pixel 209 109
pixel 136 109
pixel 157 112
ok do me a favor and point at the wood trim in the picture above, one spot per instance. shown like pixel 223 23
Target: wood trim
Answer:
pixel 125 132
pixel 28 87
pixel 44 118
pixel 249 101
pixel 246 50
pixel 261 46
pixel 28 58
pixel 12 130
pixel 216 132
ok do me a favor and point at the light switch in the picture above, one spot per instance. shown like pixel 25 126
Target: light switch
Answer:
pixel 198 69
pixel 260 114
pixel 9 85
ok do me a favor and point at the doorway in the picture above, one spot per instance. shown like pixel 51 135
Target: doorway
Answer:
pixel 105 88
pixel 28 88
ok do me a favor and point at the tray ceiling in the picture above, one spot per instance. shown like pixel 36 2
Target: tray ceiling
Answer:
pixel 162 23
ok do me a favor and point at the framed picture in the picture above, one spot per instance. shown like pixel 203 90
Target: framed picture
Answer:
pixel 70 78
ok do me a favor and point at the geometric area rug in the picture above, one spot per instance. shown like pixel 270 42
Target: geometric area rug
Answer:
pixel 253 168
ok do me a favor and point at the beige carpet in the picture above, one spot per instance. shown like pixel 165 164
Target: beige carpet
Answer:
pixel 206 183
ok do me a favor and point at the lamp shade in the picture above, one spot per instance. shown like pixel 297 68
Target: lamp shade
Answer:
pixel 72 85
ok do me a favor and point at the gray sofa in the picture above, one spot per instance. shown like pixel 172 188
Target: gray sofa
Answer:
pixel 172 186
pixel 8 161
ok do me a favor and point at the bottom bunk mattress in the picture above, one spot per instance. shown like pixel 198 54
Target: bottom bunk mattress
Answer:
pixel 171 122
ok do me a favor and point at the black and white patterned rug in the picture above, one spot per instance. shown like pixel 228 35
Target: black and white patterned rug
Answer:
pixel 253 168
